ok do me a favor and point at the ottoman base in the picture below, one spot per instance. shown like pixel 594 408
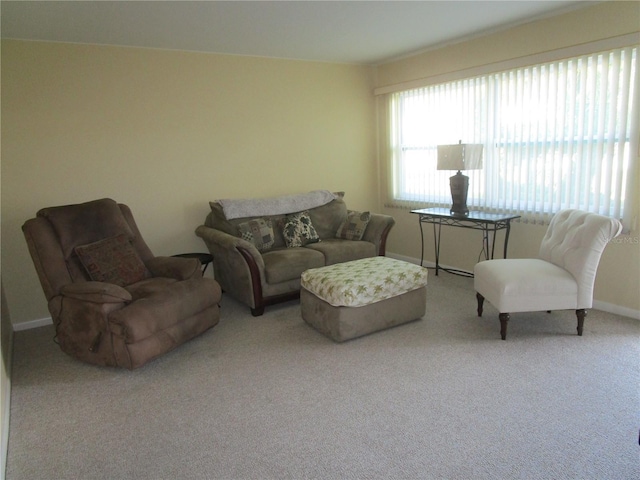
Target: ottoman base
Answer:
pixel 345 323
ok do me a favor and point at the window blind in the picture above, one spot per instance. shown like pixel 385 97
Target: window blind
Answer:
pixel 562 134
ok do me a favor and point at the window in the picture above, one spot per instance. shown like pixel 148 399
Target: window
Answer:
pixel 556 135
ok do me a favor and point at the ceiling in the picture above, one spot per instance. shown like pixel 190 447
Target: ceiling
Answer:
pixel 361 32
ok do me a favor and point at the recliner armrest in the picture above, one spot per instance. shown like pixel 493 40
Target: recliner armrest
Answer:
pixel 96 292
pixel 175 267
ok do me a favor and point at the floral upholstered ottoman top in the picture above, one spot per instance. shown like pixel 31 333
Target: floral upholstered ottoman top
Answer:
pixel 362 282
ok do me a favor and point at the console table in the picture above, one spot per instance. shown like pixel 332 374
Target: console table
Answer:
pixel 488 223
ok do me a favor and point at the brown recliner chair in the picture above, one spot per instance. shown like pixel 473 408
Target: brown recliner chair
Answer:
pixel 111 300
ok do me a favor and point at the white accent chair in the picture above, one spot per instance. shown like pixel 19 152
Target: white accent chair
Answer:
pixel 561 278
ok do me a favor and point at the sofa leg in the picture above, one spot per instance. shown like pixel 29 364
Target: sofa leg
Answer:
pixel 258 311
pixel 504 318
pixel 581 314
pixel 480 299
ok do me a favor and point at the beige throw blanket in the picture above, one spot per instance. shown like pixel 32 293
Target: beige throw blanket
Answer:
pixel 258 207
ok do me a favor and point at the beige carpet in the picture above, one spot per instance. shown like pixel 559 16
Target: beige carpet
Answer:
pixel 270 398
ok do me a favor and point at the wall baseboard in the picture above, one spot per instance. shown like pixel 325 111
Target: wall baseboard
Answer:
pixel 598 305
pixel 616 309
pixel 426 264
pixel 28 325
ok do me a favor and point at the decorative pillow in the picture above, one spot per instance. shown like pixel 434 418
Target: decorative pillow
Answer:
pixel 259 232
pixel 298 230
pixel 112 260
pixel 354 226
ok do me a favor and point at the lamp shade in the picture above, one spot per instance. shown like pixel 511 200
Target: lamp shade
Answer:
pixel 462 156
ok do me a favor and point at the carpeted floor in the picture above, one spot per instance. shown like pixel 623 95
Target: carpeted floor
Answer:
pixel 270 398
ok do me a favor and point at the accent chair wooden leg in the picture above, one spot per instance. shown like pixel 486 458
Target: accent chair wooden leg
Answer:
pixel 581 314
pixel 480 299
pixel 258 311
pixel 504 318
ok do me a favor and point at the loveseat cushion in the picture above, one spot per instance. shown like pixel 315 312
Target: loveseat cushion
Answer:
pixel 337 250
pixel 282 265
pixel 217 220
pixel 327 218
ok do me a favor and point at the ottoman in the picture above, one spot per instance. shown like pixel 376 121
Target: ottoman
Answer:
pixel 351 299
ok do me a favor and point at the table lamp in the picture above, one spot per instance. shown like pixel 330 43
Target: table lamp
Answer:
pixel 463 156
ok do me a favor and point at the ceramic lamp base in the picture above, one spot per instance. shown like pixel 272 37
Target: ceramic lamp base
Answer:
pixel 459 185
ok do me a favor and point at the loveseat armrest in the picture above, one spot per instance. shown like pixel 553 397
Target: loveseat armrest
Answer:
pixel 175 267
pixel 96 292
pixel 378 230
pixel 238 265
pixel 220 240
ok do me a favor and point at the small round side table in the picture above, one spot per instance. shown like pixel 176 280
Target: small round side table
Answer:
pixel 205 258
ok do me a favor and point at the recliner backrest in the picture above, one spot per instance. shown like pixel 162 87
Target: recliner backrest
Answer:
pixel 56 231
pixel 575 241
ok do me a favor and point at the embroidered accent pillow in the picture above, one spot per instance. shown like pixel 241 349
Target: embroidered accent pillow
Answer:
pixel 112 260
pixel 354 226
pixel 298 230
pixel 259 232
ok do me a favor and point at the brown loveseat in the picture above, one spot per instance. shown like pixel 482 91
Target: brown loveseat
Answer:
pixel 255 260
pixel 111 300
